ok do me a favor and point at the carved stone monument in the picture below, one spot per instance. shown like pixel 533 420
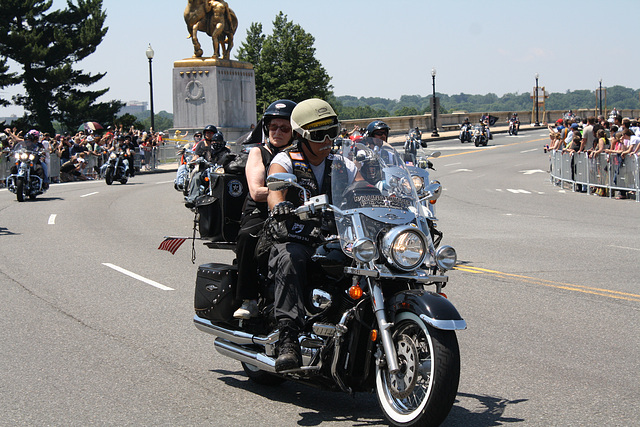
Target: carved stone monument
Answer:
pixel 215 90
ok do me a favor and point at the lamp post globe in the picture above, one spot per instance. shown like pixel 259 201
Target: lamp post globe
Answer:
pixel 434 110
pixel 149 52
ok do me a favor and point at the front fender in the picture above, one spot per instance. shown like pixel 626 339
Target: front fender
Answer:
pixel 432 308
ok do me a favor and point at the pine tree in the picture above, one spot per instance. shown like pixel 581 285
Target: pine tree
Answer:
pixel 284 63
pixel 47 44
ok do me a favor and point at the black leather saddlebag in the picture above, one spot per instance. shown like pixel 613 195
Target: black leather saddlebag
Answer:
pixel 215 297
pixel 220 214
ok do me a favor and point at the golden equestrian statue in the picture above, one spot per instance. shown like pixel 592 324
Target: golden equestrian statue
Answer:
pixel 215 18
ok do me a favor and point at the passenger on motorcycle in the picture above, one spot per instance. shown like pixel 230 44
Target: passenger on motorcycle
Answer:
pixel 316 126
pixel 213 149
pixel 279 135
pixel 32 142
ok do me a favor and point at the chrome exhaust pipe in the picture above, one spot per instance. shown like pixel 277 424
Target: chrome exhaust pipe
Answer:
pixel 234 336
pixel 259 360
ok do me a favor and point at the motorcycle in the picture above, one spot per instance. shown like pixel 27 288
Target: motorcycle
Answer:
pixel 377 319
pixel 25 183
pixel 116 170
pixel 479 135
pixel 513 127
pixel 420 173
pixel 181 182
pixel 412 143
pixel 465 133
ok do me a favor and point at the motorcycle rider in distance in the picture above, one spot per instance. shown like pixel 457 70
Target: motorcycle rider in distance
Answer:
pixel 515 121
pixel 485 120
pixel 128 149
pixel 277 127
pixel 31 142
pixel 213 149
pixel 316 126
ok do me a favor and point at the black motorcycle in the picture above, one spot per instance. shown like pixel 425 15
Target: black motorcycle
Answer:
pixel 377 319
pixel 413 142
pixel 116 169
pixel 25 183
pixel 514 126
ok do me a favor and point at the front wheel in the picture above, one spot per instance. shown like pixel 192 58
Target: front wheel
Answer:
pixel 423 391
pixel 108 176
pixel 476 141
pixel 20 189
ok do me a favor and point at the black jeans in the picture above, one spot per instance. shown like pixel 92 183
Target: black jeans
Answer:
pixel 247 287
pixel 288 267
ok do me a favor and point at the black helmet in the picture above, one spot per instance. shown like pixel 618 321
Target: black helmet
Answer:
pixel 280 109
pixel 218 136
pixel 377 125
pixel 210 128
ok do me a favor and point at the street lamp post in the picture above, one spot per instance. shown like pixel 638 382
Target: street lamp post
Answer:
pixel 149 53
pixel 600 97
pixel 536 100
pixel 434 106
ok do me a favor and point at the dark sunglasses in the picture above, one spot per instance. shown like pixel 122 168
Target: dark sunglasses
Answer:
pixel 282 128
pixel 319 135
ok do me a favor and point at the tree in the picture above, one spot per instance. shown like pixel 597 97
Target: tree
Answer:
pixel 284 63
pixel 47 44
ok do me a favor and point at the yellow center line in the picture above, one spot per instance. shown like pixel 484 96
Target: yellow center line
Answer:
pixel 549 283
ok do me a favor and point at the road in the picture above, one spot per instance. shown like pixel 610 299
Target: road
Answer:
pixel 96 322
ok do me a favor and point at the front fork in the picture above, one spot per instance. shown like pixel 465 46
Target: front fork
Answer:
pixel 385 327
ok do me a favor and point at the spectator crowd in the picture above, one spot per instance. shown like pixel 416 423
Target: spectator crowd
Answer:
pixel 80 156
pixel 616 137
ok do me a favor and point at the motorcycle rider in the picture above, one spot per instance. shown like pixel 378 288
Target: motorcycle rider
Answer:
pixel 378 129
pixel 128 150
pixel 316 126
pixel 486 122
pixel 515 121
pixel 279 135
pixel 213 149
pixel 31 142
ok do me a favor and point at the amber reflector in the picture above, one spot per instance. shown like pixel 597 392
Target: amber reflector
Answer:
pixel 355 292
pixel 374 335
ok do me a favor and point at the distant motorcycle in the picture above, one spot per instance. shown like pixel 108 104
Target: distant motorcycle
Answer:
pixel 25 183
pixel 479 135
pixel 412 143
pixel 181 183
pixel 465 132
pixel 116 169
pixel 513 127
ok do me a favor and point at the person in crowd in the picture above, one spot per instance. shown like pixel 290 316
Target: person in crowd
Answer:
pixel 279 135
pixel 213 149
pixel 574 147
pixel 602 144
pixel 573 129
pixel 316 126
pixel 72 169
pixel 588 135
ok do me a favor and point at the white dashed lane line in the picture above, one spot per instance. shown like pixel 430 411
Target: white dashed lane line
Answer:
pixel 138 277
pixel 52 219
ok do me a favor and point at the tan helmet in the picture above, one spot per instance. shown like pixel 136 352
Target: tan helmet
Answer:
pixel 312 114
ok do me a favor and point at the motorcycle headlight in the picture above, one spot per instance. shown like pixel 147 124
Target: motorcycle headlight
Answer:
pixel 418 182
pixel 112 156
pixel 405 247
pixel 24 156
pixel 32 156
pixel 364 250
pixel 446 257
pixel 219 170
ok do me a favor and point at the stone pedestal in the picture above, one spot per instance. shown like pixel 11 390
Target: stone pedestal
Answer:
pixel 214 91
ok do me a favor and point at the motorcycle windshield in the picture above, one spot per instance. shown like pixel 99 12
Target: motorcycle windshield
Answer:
pixel 382 195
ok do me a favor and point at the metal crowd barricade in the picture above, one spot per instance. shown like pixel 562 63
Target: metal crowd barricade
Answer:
pixel 607 171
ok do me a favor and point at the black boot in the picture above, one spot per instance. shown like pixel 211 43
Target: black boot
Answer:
pixel 289 356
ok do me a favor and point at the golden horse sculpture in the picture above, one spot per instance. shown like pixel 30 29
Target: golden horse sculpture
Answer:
pixel 215 18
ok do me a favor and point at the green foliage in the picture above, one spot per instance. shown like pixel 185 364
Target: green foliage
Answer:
pixel 284 63
pixel 6 79
pixel 47 44
pixel 353 108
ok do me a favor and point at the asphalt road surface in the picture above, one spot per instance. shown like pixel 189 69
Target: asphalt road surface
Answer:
pixel 96 323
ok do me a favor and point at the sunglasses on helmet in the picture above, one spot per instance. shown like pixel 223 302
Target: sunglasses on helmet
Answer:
pixel 318 135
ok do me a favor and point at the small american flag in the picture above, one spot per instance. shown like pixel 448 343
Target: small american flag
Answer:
pixel 171 244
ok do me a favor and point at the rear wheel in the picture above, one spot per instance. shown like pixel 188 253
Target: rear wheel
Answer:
pixel 261 377
pixel 423 391
pixel 20 189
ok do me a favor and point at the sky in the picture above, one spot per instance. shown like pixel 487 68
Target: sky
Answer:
pixel 387 49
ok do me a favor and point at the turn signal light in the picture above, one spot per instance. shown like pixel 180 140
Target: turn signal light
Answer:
pixel 443 294
pixel 206 178
pixel 355 292
pixel 373 336
pixel 433 202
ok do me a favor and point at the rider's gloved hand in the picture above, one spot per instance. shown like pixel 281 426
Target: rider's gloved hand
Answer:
pixel 282 210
